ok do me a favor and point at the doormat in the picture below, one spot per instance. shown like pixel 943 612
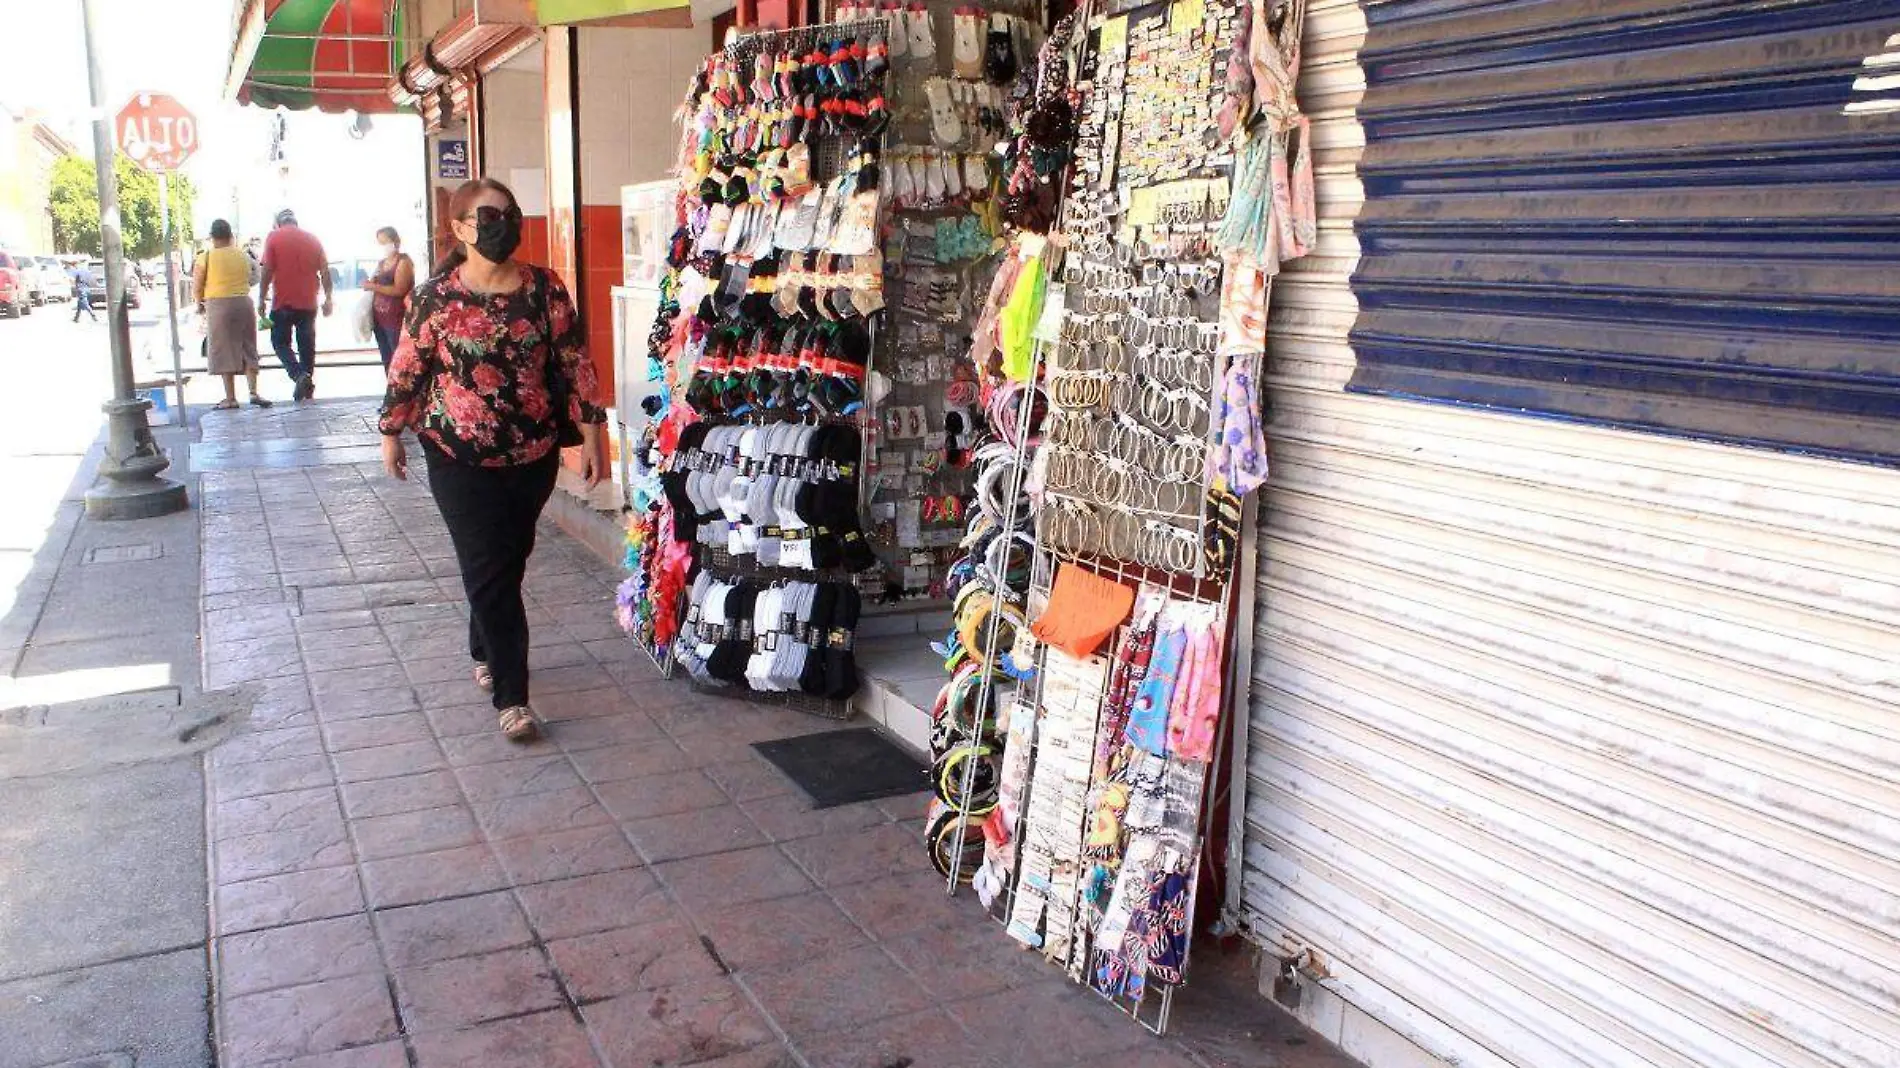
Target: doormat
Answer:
pixel 841 767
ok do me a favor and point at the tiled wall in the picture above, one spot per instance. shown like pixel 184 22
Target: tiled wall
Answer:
pixel 534 240
pixel 516 152
pixel 631 82
pixel 601 268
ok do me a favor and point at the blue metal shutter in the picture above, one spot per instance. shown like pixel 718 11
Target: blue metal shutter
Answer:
pixel 1657 214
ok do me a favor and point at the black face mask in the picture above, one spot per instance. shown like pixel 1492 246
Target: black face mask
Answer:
pixel 497 233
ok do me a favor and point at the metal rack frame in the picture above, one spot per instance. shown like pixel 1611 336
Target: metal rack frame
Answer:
pixel 1228 593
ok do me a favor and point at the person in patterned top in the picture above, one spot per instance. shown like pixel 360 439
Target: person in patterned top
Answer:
pixel 490 353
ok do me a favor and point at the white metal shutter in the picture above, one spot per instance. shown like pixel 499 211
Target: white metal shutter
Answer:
pixel 1570 747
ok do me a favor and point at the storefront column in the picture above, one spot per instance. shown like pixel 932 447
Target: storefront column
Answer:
pixel 562 113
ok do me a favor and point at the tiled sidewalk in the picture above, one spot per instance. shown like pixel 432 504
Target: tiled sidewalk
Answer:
pixel 395 884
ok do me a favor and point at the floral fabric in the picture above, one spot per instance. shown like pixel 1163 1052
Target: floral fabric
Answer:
pixel 472 371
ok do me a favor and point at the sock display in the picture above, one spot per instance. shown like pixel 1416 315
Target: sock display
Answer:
pixel 772 637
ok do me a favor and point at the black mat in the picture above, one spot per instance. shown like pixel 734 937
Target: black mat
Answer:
pixel 841 767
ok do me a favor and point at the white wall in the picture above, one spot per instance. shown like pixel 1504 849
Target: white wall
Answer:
pixel 427 17
pixel 516 133
pixel 632 81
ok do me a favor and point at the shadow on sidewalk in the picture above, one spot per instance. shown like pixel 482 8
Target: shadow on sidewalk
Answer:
pixel 394 879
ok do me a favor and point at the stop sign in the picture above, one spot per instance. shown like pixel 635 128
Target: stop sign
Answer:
pixel 156 132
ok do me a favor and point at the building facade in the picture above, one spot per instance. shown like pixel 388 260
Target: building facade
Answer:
pixel 28 150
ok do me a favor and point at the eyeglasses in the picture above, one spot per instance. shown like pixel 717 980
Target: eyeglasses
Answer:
pixel 488 215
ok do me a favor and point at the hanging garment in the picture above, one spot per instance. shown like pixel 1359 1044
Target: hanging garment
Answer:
pixel 1271 215
pixel 1131 667
pixel 1195 710
pixel 1162 927
pixel 1238 459
pixel 1148 717
pixel 1017 322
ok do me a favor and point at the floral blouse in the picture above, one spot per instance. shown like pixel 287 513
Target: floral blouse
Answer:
pixel 471 372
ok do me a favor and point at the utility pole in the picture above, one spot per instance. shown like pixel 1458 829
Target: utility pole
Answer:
pixel 130 486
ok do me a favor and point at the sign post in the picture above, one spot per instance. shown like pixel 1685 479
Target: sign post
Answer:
pixel 130 486
pixel 159 134
pixel 171 294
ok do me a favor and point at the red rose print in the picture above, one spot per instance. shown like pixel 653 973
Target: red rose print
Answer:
pixel 469 325
pixel 477 366
pixel 465 407
pixel 488 378
pixel 534 401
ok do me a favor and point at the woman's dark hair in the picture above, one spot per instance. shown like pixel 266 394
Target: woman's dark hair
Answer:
pixel 390 233
pixel 460 204
pixel 220 230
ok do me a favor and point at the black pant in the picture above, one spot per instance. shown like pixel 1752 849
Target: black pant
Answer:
pixel 491 512
pixel 303 322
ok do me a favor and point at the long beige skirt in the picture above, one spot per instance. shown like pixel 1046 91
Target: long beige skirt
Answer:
pixel 230 335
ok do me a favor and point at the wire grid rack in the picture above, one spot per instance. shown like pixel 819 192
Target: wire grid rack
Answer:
pixel 1200 583
pixel 830 153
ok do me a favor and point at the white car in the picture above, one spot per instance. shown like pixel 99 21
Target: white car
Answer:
pixel 54 284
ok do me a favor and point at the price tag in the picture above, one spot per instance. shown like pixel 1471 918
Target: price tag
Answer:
pixel 1186 15
pixel 795 553
pixel 1114 42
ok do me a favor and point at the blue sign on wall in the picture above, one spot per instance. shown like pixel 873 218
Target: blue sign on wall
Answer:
pixel 451 159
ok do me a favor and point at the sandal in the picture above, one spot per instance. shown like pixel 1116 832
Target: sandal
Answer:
pixel 518 723
pixel 484 678
pixel 225 406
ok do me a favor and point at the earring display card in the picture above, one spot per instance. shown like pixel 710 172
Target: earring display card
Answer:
pixel 1106 790
pixel 949 92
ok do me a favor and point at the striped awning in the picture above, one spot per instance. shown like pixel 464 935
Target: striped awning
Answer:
pixel 333 55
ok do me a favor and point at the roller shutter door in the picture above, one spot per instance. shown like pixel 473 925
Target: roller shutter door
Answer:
pixel 1574 746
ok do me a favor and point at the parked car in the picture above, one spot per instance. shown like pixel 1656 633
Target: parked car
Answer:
pixel 53 283
pixel 15 290
pixel 97 268
pixel 30 274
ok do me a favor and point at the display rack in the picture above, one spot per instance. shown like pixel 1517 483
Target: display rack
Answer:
pixel 777 113
pixel 1149 390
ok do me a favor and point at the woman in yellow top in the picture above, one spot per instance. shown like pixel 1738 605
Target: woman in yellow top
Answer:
pixel 222 280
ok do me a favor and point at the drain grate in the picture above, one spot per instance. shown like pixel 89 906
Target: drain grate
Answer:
pixel 124 554
pixel 98 1060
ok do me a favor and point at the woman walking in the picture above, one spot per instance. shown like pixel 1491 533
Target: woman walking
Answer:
pixel 395 277
pixel 490 370
pixel 222 280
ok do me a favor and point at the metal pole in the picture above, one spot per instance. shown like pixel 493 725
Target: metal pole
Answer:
pixel 130 486
pixel 171 295
pixel 113 251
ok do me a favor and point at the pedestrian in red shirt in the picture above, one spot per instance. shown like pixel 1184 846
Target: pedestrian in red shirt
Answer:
pixel 294 268
pixel 490 371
